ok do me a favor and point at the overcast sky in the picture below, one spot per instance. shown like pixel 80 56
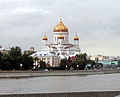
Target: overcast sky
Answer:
pixel 23 23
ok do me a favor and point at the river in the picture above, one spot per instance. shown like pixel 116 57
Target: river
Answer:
pixel 58 84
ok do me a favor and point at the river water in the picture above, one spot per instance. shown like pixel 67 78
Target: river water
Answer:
pixel 55 84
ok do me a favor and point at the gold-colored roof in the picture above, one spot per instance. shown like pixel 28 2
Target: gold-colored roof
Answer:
pixel 45 38
pixel 60 36
pixel 60 27
pixel 76 38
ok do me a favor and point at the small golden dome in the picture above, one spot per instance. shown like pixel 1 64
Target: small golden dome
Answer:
pixel 76 38
pixel 60 27
pixel 45 38
pixel 60 36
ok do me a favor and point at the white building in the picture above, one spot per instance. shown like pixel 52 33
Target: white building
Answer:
pixel 50 58
pixel 4 50
pixel 97 57
pixel 61 45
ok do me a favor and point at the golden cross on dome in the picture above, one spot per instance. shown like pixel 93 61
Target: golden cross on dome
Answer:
pixel 60 18
pixel 76 33
pixel 44 33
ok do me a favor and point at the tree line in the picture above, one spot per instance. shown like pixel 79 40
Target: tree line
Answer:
pixel 79 63
pixel 14 59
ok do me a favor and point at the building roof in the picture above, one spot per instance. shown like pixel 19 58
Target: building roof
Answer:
pixel 44 54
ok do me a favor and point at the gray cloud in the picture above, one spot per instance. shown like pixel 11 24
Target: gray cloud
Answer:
pixel 22 23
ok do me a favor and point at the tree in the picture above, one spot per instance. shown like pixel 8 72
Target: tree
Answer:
pixel 14 58
pixel 118 63
pixel 5 62
pixel 42 64
pixel 0 59
pixel 74 64
pixel 27 61
pixel 0 54
pixel 82 56
pixel 91 62
pixel 16 55
pixel 81 61
pixel 63 64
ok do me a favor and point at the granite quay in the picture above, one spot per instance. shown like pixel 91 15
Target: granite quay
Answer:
pixel 23 74
pixel 69 94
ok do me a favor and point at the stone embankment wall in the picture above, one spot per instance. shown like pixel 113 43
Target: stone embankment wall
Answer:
pixel 75 94
pixel 20 74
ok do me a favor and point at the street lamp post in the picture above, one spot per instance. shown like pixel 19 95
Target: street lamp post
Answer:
pixel 66 67
pixel 77 66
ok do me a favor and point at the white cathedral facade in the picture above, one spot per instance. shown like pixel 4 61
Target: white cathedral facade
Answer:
pixel 60 47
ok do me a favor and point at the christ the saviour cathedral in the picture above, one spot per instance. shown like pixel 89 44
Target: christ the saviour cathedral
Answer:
pixel 60 48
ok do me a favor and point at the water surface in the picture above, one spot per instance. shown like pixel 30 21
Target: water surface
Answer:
pixel 107 82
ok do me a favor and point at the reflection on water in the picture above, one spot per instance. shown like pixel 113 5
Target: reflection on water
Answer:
pixel 107 82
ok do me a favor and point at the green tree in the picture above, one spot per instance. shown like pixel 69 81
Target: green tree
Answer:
pixel 0 54
pixel 119 63
pixel 81 61
pixel 5 62
pixel 74 64
pixel 91 62
pixel 0 59
pixel 16 55
pixel 42 64
pixel 27 61
pixel 82 56
pixel 14 58
pixel 63 64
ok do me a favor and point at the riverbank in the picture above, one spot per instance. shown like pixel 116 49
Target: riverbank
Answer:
pixel 70 94
pixel 24 74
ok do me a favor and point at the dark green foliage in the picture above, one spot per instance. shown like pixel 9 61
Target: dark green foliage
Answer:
pixel 0 59
pixel 74 64
pixel 78 64
pixel 91 62
pixel 118 63
pixel 0 54
pixel 82 56
pixel 5 63
pixel 15 52
pixel 15 55
pixel 42 64
pixel 63 64
pixel 13 58
pixel 27 61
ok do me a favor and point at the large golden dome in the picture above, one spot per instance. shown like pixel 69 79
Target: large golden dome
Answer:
pixel 60 27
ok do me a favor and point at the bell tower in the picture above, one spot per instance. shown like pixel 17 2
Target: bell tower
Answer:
pixel 44 40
